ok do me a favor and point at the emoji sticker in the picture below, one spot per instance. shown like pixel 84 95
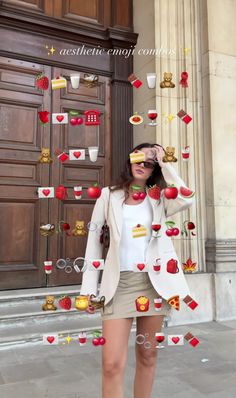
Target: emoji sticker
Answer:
pixel 60 118
pixel 49 304
pixel 77 154
pixel 174 339
pixel 139 231
pixel 134 80
pixel 167 81
pixel 50 339
pixel 96 264
pixel 45 156
pixel 142 304
pixel 59 82
pixel 46 192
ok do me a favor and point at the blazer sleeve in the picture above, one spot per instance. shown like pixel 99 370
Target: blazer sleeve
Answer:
pixel 94 248
pixel 181 203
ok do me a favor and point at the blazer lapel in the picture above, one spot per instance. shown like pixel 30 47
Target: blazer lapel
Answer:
pixel 117 199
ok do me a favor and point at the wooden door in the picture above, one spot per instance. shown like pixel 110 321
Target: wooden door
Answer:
pixel 21 138
pixel 22 248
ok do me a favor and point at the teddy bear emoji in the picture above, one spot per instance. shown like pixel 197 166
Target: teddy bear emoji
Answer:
pixel 169 155
pixel 45 156
pixel 49 305
pixel 79 229
pixel 167 83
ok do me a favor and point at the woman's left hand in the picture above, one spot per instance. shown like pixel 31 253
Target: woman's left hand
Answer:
pixel 160 153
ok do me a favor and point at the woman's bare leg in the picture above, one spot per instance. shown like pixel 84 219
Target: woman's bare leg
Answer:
pixel 146 358
pixel 114 355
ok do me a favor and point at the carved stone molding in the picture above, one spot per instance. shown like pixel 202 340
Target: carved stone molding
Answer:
pixel 221 255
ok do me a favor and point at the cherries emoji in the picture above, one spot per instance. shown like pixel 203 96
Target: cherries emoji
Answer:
pixel 138 194
pixel 98 339
pixel 171 231
pixel 74 121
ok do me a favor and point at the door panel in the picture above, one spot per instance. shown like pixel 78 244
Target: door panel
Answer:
pixel 22 249
pixel 82 173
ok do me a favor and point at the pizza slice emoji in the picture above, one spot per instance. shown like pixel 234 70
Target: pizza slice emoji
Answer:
pixel 174 302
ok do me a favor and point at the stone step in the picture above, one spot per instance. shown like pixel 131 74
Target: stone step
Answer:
pixel 22 319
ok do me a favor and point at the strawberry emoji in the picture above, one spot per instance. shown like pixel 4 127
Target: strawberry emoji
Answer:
pixel 154 192
pixel 43 116
pixel 65 303
pixel 42 82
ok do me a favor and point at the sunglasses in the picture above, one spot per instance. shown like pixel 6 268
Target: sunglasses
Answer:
pixel 147 165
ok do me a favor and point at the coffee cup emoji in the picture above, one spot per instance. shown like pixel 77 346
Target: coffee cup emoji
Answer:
pixel 157 266
pixel 185 153
pixel 172 266
pixel 78 192
pixel 48 267
pixel 82 338
pixel 158 303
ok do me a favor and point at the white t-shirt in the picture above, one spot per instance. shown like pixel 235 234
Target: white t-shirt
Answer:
pixel 133 250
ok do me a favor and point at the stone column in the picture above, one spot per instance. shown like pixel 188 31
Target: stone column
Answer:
pixel 219 83
pixel 177 34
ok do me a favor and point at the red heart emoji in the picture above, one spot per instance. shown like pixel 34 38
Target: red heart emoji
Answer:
pixel 46 192
pixel 96 264
pixel 140 266
pixel 59 118
pixel 77 154
pixel 50 339
pixel 175 339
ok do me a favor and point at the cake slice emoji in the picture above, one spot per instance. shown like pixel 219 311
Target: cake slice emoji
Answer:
pixel 138 231
pixel 59 82
pixel 137 156
pixel 174 302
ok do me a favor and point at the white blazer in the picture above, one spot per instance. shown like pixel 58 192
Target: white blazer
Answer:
pixel 165 283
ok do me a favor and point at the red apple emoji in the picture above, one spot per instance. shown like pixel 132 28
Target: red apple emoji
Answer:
pixel 94 191
pixel 171 192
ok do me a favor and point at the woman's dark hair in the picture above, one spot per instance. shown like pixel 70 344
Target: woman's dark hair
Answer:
pixel 126 177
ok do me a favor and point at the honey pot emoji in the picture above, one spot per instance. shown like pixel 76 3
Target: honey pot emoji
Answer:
pixel 142 304
pixel 81 303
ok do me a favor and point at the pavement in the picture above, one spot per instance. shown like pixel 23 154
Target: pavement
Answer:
pixel 71 371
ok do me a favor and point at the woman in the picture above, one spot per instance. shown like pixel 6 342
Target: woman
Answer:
pixel 120 285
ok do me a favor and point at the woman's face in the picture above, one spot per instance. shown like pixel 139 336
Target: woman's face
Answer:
pixel 139 171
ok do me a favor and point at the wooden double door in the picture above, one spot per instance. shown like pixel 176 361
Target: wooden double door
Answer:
pixel 22 249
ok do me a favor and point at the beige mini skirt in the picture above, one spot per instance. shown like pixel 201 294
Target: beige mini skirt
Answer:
pixel 134 297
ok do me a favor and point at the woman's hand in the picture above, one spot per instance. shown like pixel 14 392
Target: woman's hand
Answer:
pixel 160 153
